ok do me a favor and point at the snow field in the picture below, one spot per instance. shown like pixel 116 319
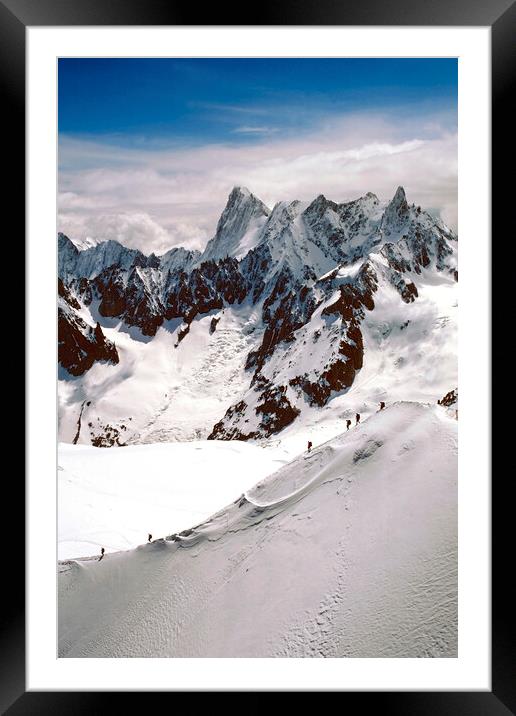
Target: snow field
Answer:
pixel 113 498
pixel 347 552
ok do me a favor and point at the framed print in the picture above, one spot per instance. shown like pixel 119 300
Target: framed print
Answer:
pixel 272 251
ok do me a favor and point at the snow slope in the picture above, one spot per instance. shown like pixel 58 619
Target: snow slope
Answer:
pixel 114 498
pixel 347 552
pixel 162 390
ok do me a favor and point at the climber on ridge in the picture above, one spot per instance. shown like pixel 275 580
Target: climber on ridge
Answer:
pixel 357 418
pixel 309 446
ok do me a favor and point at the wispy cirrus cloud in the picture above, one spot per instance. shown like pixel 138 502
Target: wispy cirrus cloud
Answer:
pixel 231 109
pixel 246 129
pixel 155 197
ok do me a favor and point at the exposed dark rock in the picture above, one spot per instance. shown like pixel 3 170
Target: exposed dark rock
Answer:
pixel 79 424
pixel 276 411
pixel 110 288
pixel 66 294
pixel 339 375
pixel 108 436
pixel 450 398
pixel 409 292
pixel 287 308
pixel 227 428
pixel 183 332
pixel 80 345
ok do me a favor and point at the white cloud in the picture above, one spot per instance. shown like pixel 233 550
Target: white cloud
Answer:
pixel 246 129
pixel 135 230
pixel 154 199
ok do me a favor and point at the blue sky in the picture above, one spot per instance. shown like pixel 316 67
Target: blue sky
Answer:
pixel 213 100
pixel 150 148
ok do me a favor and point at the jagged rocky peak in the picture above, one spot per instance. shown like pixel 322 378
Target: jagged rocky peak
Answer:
pixel 87 243
pixel 178 258
pixel 67 254
pixel 283 213
pixel 322 203
pixel 277 236
pixel 92 261
pixel 400 196
pixel 344 217
pixel 63 239
pixel 240 195
pixel 368 202
pixel 66 246
pixel 398 205
pixel 238 227
pixel 399 219
pixel 319 205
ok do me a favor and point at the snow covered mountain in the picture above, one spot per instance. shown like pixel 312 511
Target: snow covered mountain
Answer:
pixel 286 313
pixel 239 227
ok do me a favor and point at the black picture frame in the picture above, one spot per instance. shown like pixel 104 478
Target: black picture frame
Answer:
pixel 500 15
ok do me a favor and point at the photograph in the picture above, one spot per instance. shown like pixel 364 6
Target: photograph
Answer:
pixel 257 378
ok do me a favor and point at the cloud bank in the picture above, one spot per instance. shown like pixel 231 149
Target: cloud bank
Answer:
pixel 156 198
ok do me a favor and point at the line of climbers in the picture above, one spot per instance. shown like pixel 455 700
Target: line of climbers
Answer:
pixel 309 449
pixel 102 551
pixel 348 423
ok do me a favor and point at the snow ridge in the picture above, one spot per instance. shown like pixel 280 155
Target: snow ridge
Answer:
pixel 327 557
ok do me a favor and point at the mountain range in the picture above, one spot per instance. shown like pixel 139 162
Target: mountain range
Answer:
pixel 278 317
